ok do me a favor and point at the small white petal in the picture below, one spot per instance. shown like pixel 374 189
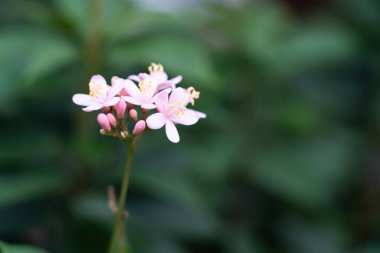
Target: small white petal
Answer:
pixel 112 101
pixel 132 100
pixel 161 100
pixel 83 99
pixel 134 78
pixel 171 131
pixel 200 115
pixel 176 80
pixel 148 106
pixel 93 107
pixel 131 88
pixel 156 121
pixel 187 119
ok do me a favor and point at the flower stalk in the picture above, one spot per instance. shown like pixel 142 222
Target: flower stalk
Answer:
pixel 118 233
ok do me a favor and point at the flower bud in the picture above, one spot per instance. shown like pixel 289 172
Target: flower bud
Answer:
pixel 111 120
pixel 133 114
pixel 103 122
pixel 139 127
pixel 120 108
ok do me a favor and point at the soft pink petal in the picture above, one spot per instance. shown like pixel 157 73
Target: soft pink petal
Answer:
pixel 179 95
pixel 161 101
pixel 93 107
pixel 132 100
pixel 156 121
pixel 148 106
pixel 200 115
pixel 176 80
pixel 134 78
pixel 164 85
pixel 188 118
pixel 117 86
pixel 131 88
pixel 112 101
pixel 83 99
pixel 98 79
pixel 171 131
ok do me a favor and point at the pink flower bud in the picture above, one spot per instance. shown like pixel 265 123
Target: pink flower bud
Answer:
pixel 133 114
pixel 111 120
pixel 103 122
pixel 120 108
pixel 139 127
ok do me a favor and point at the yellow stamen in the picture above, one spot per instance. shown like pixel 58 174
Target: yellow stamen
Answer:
pixel 95 89
pixel 155 68
pixel 193 94
pixel 175 108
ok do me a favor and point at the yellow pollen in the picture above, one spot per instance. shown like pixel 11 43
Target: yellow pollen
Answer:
pixel 175 108
pixel 193 94
pixel 144 87
pixel 155 68
pixel 95 89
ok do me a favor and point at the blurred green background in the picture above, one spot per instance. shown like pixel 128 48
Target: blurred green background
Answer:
pixel 288 160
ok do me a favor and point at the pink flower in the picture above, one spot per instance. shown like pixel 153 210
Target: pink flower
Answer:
pixel 101 95
pixel 143 94
pixel 157 72
pixel 172 110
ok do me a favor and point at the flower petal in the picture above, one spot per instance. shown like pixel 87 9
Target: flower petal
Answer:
pixel 135 78
pixel 148 106
pixel 171 131
pixel 164 85
pixel 132 100
pixel 161 101
pixel 187 119
pixel 131 88
pixel 83 99
pixel 117 86
pixel 112 101
pixel 156 121
pixel 179 95
pixel 175 80
pixel 200 115
pixel 93 107
pixel 99 80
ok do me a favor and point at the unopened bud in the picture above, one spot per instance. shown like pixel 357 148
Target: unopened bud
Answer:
pixel 120 108
pixel 139 127
pixel 133 114
pixel 111 120
pixel 103 122
pixel 102 131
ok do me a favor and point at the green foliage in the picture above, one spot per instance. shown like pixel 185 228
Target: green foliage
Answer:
pixel 8 248
pixel 286 161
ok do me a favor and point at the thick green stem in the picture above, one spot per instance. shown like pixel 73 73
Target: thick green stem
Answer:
pixel 118 234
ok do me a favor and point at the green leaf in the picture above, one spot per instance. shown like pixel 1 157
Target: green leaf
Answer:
pixel 28 54
pixel 20 188
pixel 9 248
pixel 179 54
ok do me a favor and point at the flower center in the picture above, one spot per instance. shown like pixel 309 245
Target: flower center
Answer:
pixel 146 87
pixel 177 109
pixel 96 89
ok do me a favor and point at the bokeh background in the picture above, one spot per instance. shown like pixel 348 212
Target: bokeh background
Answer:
pixel 288 160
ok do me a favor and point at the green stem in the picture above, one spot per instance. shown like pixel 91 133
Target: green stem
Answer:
pixel 118 233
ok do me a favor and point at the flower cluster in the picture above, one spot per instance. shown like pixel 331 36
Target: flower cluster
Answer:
pixel 122 102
